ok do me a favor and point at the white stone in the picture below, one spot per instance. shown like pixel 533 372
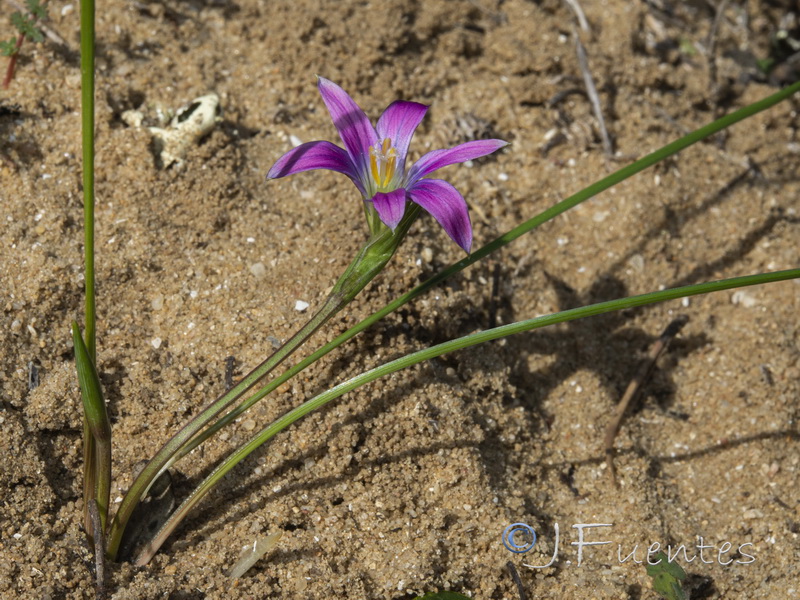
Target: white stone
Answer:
pixel 744 298
pixel 258 270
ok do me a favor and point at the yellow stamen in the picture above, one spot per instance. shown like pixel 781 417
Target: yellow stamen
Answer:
pixel 373 163
pixel 383 163
pixel 391 163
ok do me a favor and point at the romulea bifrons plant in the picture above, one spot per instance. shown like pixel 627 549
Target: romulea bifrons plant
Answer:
pixel 392 194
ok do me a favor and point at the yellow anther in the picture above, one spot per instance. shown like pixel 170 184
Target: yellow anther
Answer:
pixel 373 163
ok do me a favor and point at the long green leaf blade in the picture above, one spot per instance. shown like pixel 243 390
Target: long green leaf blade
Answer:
pixel 412 359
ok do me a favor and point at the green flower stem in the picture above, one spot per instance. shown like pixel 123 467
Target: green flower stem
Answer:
pixel 87 137
pixel 90 465
pixel 370 261
pixel 498 243
pixel 96 417
pixel 412 359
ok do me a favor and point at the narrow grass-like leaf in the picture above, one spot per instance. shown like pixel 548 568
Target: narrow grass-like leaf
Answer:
pixel 94 410
pixel 412 359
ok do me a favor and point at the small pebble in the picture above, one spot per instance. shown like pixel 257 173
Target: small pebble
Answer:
pixel 156 342
pixel 258 270
pixel 73 80
pixel 300 306
pixel 132 118
pixel 753 513
pixel 744 298
pixel 637 262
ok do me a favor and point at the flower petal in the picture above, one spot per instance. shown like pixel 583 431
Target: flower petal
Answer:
pixel 447 206
pixel 353 126
pixel 309 156
pixel 315 155
pixel 398 123
pixel 390 206
pixel 437 159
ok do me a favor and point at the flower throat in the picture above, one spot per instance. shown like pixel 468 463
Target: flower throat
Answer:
pixel 383 163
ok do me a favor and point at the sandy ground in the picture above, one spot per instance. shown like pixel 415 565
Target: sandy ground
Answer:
pixel 407 485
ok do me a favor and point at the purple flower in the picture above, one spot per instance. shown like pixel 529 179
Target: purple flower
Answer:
pixel 374 159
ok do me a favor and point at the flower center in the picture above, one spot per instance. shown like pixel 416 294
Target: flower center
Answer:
pixel 383 162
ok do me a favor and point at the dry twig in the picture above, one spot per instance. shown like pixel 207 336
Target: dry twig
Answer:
pixel 576 8
pixel 495 297
pixel 711 43
pixel 517 581
pixel 634 386
pixel 591 90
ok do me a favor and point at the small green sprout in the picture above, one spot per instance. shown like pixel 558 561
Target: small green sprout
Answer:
pixel 687 47
pixel 25 24
pixel 667 577
pixel 8 47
